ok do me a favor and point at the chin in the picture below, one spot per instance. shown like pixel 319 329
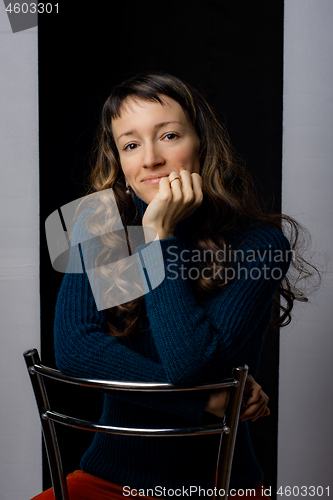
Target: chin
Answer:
pixel 147 199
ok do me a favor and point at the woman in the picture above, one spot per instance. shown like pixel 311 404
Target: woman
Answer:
pixel 169 164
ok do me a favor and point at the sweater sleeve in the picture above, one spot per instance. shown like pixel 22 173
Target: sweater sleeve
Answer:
pixel 84 349
pixel 193 342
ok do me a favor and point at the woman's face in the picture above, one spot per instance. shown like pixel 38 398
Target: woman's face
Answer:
pixel 154 140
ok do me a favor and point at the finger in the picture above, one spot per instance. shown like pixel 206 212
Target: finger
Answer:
pixel 251 386
pixel 250 410
pixel 256 394
pixel 164 189
pixel 176 188
pixel 254 412
pixel 175 176
pixel 252 417
pixel 188 193
pixel 255 400
pixel 259 413
pixel 197 188
pixel 266 413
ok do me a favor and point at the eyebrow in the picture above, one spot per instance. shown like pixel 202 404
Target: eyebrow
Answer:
pixel 156 127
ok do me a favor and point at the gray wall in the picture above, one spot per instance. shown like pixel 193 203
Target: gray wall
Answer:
pixel 306 403
pixel 20 438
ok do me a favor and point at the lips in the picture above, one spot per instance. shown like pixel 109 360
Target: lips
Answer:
pixel 154 178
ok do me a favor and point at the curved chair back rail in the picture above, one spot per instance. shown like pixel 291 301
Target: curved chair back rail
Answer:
pixel 227 427
pixel 86 425
pixel 124 385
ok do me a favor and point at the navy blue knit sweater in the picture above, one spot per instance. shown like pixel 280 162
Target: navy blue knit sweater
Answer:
pixel 181 343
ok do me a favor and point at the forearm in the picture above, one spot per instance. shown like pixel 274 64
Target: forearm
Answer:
pixel 83 349
pixel 194 342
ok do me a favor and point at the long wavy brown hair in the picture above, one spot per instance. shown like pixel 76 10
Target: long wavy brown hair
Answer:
pixel 229 197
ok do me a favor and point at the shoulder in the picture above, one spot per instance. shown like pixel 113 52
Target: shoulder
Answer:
pixel 263 247
pixel 261 236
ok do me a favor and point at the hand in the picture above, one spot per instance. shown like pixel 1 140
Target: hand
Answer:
pixel 217 402
pixel 173 202
pixel 256 404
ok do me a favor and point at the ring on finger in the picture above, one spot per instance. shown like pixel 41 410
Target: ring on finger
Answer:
pixel 175 179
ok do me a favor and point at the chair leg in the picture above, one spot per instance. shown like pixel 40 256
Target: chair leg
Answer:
pixel 50 438
pixel 228 436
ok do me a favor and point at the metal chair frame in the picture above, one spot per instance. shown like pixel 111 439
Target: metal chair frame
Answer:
pixel 227 428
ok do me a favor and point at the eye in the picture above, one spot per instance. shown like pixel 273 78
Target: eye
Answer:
pixel 171 136
pixel 130 147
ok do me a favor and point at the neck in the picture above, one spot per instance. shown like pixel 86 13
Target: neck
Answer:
pixel 142 205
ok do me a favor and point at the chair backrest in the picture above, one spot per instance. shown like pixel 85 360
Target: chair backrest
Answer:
pixel 227 427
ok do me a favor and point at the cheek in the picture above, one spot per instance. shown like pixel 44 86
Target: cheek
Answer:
pixel 189 156
pixel 128 168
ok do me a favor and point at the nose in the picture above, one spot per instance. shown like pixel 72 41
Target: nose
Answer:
pixel 152 156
